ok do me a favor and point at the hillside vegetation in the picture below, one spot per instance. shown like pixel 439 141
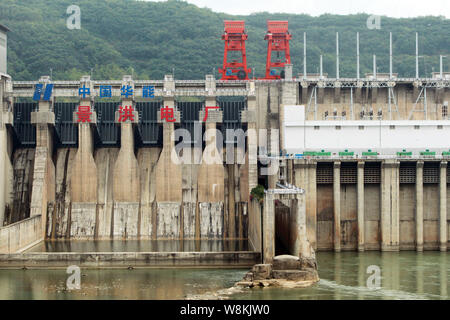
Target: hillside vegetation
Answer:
pixel 150 39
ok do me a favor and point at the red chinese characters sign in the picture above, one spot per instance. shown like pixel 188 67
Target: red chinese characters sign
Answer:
pixel 168 114
pixel 84 114
pixel 206 112
pixel 126 113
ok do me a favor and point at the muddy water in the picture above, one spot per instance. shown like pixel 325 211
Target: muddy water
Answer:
pixel 141 246
pixel 405 275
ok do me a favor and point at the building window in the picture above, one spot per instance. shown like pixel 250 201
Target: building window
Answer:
pixel 316 127
pixel 416 127
pixel 440 127
pixel 392 127
pixel 361 127
pixel 444 111
pixel 338 127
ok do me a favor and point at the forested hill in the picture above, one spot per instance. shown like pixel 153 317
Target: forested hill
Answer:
pixel 151 39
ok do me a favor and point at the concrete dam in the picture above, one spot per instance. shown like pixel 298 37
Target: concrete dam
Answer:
pixel 337 175
pixel 229 172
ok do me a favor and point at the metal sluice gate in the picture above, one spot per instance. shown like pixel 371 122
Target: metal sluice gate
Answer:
pixel 66 130
pixel 232 108
pixel 149 130
pixel 108 133
pixel 189 112
pixel 24 131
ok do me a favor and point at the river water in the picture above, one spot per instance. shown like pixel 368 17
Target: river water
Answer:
pixel 348 275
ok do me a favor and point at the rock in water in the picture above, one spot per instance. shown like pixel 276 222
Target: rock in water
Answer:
pixel 286 262
pixel 285 271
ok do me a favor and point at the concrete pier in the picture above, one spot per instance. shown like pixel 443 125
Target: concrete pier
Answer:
pixel 360 205
pixel 6 168
pixel 43 191
pixel 298 227
pixel 126 178
pixel 83 174
pixel 6 148
pixel 105 160
pixel 337 206
pixel 211 177
pixel 252 139
pixel 168 175
pixel 443 203
pixel 305 175
pixel 268 228
pixel 147 159
pixel 169 191
pixel 390 231
pixel 126 187
pixel 419 206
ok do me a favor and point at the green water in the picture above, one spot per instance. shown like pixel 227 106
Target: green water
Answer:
pixel 405 275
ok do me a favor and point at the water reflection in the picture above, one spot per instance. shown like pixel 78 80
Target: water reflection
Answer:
pixel 142 246
pixel 405 275
pixel 444 276
pixel 142 284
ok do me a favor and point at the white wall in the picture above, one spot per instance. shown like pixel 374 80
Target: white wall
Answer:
pixel 301 135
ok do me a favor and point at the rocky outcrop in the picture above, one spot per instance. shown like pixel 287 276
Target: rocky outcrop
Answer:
pixel 285 271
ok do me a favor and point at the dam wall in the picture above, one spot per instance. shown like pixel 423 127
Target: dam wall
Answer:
pixel 387 205
pixel 373 185
pixel 90 188
pixel 133 179
pixel 20 235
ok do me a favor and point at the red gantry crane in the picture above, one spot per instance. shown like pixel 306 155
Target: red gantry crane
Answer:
pixel 278 37
pixel 234 37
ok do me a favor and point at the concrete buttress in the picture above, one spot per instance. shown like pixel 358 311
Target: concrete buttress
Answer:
pixel 168 175
pixel 443 203
pixel 419 206
pixel 126 177
pixel 268 228
pixel 211 187
pixel 83 187
pixel 305 177
pixel 43 190
pixel 390 217
pixel 360 204
pixel 337 206
pixel 6 179
pixel 6 146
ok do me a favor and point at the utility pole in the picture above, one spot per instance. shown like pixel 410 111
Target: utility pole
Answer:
pixel 321 67
pixel 417 55
pixel 390 55
pixel 357 56
pixel 374 66
pixel 337 55
pixel 304 55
